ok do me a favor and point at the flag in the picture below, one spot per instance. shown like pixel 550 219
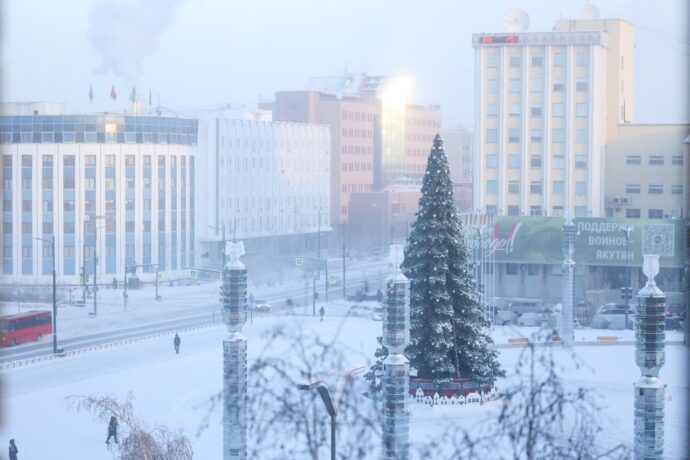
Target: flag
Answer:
pixel 91 93
pixel 133 95
pixel 150 97
pixel 113 94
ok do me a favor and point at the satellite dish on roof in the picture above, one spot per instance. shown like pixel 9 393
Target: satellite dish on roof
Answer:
pixel 516 21
pixel 589 11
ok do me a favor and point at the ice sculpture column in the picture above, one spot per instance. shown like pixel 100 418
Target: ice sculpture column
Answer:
pixel 567 300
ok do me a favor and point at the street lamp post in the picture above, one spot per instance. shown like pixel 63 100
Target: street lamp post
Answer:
pixel 628 291
pixel 52 243
pixel 222 229
pixel 330 403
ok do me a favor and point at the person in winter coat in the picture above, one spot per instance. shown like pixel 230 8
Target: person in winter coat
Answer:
pixel 112 430
pixel 322 312
pixel 176 341
pixel 13 450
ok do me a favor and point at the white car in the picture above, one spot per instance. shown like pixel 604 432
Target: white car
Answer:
pixel 261 305
pixel 377 314
pixel 358 310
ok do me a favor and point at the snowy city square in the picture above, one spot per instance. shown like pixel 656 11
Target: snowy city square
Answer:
pixel 344 230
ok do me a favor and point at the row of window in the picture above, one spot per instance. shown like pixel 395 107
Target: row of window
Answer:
pixel 536 136
pixel 356 150
pixel 356 132
pixel 345 188
pixel 357 116
pixel 109 161
pixel 356 166
pixel 580 211
pixel 535 187
pixel 558 110
pixel 653 189
pixel 537 85
pixel 653 160
pixel 651 213
pixel 537 60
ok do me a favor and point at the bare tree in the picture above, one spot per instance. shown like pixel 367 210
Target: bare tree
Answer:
pixel 139 442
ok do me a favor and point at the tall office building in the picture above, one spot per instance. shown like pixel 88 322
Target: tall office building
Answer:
pixel 109 188
pixel 546 103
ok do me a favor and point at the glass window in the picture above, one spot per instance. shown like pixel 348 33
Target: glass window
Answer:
pixel 534 211
pixel 491 135
pixel 580 211
pixel 581 85
pixel 513 161
pixel 656 160
pixel 492 161
pixel 581 109
pixel 581 136
pixel 514 110
pixel 655 213
pixel 632 188
pixel 535 161
pixel 515 85
pixel 110 161
pixel 580 188
pixel 491 110
pixel 558 162
pixel 557 211
pixel 535 111
pixel 492 60
pixel 537 60
pixel 515 60
pixel 656 189
pixel 511 269
pixel 558 187
pixel 558 110
pixel 559 60
pixel 582 58
pixel 631 212
pixel 537 84
pixel 535 187
pixel 514 136
pixel 513 210
pixel 535 136
pixel 491 186
pixel 513 186
pixel 558 135
pixel 581 161
pixel 633 160
pixel 676 189
pixel 492 85
pixel 677 160
pixel 558 85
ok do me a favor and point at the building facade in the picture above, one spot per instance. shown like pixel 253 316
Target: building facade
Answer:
pixel 644 171
pixel 112 190
pixel 266 183
pixel 458 144
pixel 545 106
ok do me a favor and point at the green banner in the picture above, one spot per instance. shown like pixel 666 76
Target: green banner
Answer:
pixel 599 241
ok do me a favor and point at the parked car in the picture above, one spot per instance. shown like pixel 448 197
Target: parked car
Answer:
pixel 520 308
pixel 377 314
pixel 359 310
pixel 505 318
pixel 612 316
pixel 261 305
pixel 673 324
pixel 530 319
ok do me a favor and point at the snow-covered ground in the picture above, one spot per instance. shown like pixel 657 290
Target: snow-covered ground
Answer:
pixel 172 389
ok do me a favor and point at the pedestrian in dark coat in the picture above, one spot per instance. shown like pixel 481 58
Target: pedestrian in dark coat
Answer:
pixel 13 450
pixel 112 430
pixel 176 341
pixel 322 311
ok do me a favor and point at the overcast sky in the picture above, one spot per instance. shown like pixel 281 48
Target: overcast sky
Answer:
pixel 195 53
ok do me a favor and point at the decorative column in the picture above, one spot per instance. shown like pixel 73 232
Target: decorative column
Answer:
pixel 396 367
pixel 234 299
pixel 649 357
pixel 567 297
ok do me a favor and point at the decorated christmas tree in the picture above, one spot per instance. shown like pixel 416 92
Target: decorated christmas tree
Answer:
pixel 448 337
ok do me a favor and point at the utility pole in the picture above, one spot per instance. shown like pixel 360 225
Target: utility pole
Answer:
pixel 344 291
pixel 627 292
pixel 55 350
pixel 95 275
pixel 223 247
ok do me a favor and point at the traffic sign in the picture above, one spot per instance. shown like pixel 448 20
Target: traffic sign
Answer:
pixel 299 261
pixel 192 273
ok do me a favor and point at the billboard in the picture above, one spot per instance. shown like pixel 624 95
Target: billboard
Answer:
pixel 598 241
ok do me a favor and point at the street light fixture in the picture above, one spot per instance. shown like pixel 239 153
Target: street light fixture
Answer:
pixel 52 243
pixel 95 269
pixel 628 292
pixel 331 404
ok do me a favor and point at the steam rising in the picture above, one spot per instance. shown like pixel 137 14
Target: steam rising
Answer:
pixel 125 32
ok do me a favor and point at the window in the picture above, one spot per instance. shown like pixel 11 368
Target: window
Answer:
pixel 491 110
pixel 581 85
pixel 514 110
pixel 513 210
pixel 511 269
pixel 558 187
pixel 581 188
pixel 68 252
pixel 580 211
pixel 491 209
pixel 557 211
pixel 581 161
pixel 656 160
pixel 535 136
pixel 559 60
pixel 581 136
pixel 26 205
pixel 655 213
pixel 26 228
pixel 633 160
pixel 491 186
pixel 90 161
pixel 537 85
pixel 110 161
pixel 491 161
pixel 535 111
pixel 656 189
pixel 491 136
pixel 535 211
pixel 492 85
pixel 558 162
pixel 515 60
pixel 631 212
pixel 513 161
pixel 513 186
pixel 492 60
pixel 677 160
pixel 581 109
pixel 535 161
pixel 632 188
pixel 26 252
pixel 558 85
pixel 676 189
pixel 537 60
pixel 582 58
pixel 69 227
pixel 68 161
pixel 515 85
pixel 514 136
pixel 558 135
pixel 26 183
pixel 47 228
pixel 558 110
pixel 535 187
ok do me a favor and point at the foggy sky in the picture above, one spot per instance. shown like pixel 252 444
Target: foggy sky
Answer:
pixel 194 53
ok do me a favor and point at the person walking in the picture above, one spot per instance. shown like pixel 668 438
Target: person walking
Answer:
pixel 112 430
pixel 321 312
pixel 176 341
pixel 13 450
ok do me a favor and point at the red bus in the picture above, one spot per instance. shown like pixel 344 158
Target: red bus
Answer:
pixel 23 327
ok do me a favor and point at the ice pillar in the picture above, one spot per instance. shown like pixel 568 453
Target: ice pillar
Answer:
pixel 568 294
pixel 396 367
pixel 234 299
pixel 649 357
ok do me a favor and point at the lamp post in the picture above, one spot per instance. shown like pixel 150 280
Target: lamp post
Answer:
pixel 52 243
pixel 329 402
pixel 222 229
pixel 628 291
pixel 95 273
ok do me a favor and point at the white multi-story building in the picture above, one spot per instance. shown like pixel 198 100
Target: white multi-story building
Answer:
pixel 112 190
pixel 545 106
pixel 267 183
